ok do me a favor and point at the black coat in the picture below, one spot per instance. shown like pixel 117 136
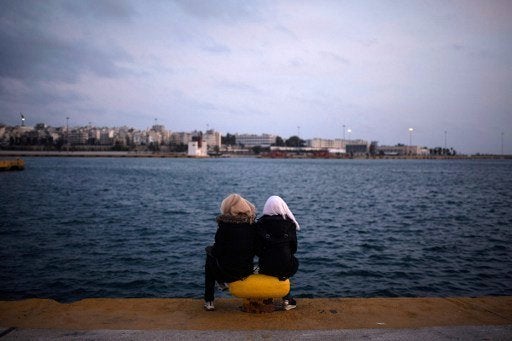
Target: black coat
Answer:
pixel 276 245
pixel 234 247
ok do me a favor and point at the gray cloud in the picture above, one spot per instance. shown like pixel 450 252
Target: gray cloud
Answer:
pixel 228 10
pixel 100 9
pixel 216 48
pixel 30 51
pixel 38 95
pixel 263 66
pixel 34 56
pixel 334 56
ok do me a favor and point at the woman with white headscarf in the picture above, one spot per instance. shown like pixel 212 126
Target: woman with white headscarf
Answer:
pixel 277 243
pixel 231 256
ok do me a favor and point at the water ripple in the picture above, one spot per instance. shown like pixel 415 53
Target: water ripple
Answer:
pixel 76 228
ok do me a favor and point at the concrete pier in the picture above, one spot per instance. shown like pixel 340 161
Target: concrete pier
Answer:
pixel 353 318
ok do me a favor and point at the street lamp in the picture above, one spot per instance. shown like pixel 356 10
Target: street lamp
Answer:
pixel 67 132
pixel 502 143
pixel 349 131
pixel 343 133
pixel 410 136
pixel 22 120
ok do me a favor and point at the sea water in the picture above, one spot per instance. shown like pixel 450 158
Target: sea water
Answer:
pixel 73 228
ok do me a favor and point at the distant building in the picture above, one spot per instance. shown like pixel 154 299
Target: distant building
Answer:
pixel 139 138
pixel 212 138
pixel 252 140
pixel 197 148
pixel 78 137
pixel 357 147
pixel 325 143
pixel 401 150
pixel 159 128
pixel 181 137
pixel 155 137
pixel 106 136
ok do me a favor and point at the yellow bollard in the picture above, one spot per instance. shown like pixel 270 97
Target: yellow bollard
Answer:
pixel 258 292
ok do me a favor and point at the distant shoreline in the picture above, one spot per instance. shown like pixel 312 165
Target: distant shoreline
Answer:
pixel 28 153
pixel 40 153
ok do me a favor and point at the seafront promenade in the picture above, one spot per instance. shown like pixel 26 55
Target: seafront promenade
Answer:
pixel 322 318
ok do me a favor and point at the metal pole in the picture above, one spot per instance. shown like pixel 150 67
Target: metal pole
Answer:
pixel 67 133
pixel 502 144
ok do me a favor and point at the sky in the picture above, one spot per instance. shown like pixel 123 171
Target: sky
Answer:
pixel 309 68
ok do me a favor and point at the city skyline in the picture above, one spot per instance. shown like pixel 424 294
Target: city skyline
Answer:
pixel 346 133
pixel 312 68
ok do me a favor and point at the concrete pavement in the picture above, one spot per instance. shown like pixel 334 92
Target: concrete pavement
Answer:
pixel 433 333
pixel 314 319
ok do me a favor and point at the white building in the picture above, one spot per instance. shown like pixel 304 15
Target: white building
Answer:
pixel 106 136
pixel 252 140
pixel 325 143
pixel 212 138
pixel 181 137
pixel 403 150
pixel 197 148
pixel 339 144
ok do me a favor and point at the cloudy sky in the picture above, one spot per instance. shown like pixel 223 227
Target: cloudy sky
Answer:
pixel 279 67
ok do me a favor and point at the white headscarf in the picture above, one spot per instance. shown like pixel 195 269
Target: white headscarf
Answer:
pixel 276 206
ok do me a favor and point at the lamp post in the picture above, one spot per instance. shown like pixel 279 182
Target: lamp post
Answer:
pixel 343 132
pixel 298 136
pixel 22 120
pixel 67 133
pixel 445 132
pixel 349 131
pixel 410 136
pixel 502 143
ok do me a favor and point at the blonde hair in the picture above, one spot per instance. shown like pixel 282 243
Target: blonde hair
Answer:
pixel 235 205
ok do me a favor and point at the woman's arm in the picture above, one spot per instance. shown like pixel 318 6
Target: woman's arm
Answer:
pixel 293 238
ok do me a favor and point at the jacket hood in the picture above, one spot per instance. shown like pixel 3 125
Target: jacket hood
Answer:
pixel 239 219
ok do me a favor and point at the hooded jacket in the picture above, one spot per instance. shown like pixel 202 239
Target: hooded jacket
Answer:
pixel 276 245
pixel 234 247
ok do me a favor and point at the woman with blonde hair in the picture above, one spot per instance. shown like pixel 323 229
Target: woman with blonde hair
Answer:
pixel 231 256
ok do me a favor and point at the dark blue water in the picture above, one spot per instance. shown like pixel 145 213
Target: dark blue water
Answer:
pixel 72 228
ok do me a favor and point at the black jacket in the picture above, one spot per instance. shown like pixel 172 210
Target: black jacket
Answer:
pixel 276 245
pixel 234 247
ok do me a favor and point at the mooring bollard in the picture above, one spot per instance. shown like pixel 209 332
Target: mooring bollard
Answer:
pixel 259 291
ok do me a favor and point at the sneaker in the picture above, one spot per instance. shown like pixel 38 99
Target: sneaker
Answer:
pixel 208 306
pixel 289 304
pixel 223 286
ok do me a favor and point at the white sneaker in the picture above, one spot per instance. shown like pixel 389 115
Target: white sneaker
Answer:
pixel 223 286
pixel 287 305
pixel 208 306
